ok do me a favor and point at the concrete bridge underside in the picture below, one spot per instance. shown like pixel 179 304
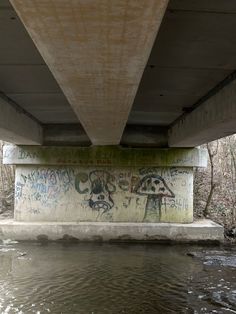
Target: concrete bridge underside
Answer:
pixel 152 73
pixel 140 83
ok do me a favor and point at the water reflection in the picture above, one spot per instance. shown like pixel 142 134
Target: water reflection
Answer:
pixel 103 278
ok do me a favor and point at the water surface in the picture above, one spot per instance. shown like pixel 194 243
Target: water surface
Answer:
pixel 116 278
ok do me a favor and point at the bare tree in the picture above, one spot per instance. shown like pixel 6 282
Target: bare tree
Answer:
pixel 212 152
pixel 232 147
pixel 6 184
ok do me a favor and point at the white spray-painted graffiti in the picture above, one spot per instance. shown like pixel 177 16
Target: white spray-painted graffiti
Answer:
pixel 102 194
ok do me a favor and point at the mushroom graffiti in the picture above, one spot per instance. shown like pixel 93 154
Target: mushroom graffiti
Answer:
pixel 155 187
pixel 101 189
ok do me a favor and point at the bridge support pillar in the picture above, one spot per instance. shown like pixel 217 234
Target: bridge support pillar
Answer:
pixel 103 184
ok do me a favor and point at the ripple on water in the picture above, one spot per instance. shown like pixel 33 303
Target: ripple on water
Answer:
pixel 114 279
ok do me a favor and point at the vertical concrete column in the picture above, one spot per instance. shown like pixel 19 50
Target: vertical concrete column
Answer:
pixel 108 184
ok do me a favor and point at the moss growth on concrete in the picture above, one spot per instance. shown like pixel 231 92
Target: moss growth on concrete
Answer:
pixel 104 156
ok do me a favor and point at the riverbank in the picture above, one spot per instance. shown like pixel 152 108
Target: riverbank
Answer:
pixel 221 219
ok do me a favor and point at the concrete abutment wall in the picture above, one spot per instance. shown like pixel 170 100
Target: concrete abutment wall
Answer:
pixel 103 184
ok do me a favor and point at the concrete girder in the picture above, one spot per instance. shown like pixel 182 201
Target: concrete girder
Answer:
pixel 105 156
pixel 213 119
pixel 97 51
pixel 133 135
pixel 64 135
pixel 16 127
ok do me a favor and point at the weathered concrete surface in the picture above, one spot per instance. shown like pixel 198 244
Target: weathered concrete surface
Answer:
pixel 144 136
pixel 16 127
pixel 133 136
pixel 65 134
pixel 213 119
pixel 97 53
pixel 204 230
pixel 103 183
pixel 104 156
pixel 112 194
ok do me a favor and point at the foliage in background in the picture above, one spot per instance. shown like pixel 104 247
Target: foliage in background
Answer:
pixel 6 187
pixel 215 187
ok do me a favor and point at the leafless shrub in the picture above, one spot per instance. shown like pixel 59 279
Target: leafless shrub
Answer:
pixel 215 187
pixel 6 184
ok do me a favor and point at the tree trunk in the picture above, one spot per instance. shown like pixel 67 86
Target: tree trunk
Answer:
pixel 212 184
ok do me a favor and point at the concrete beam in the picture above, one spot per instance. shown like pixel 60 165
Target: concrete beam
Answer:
pixel 16 126
pixel 144 136
pixel 213 119
pixel 133 136
pixel 108 156
pixel 64 135
pixel 97 51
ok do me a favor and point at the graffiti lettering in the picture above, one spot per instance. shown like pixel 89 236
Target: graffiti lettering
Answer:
pixel 105 194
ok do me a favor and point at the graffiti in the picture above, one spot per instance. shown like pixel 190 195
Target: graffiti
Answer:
pixel 24 154
pixel 126 202
pixel 18 190
pixel 177 171
pixel 123 185
pixel 46 184
pixel 81 178
pixel 155 187
pixel 105 194
pixel 124 180
pixel 101 189
pixel 179 203
pixel 134 182
pixel 145 171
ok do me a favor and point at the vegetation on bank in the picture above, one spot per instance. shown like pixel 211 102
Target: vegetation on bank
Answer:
pixel 214 187
pixel 6 188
